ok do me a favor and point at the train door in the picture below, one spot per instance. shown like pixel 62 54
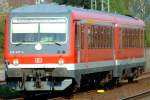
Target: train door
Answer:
pixel 81 43
pixel 116 50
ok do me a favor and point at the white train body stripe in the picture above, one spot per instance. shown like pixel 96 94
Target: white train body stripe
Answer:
pixel 80 65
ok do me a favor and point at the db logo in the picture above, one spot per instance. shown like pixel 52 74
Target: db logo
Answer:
pixel 38 60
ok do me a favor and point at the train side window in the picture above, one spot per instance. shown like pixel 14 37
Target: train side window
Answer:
pixel 134 38
pixel 128 32
pixel 92 36
pixel 131 32
pixel 82 36
pixel 103 37
pixel 110 37
pixel 89 36
pixel 142 38
pixel 77 37
pixel 120 38
pixel 106 36
pixel 93 32
pixel 98 36
pixel 131 36
pixel 127 38
pixel 123 38
pixel 137 38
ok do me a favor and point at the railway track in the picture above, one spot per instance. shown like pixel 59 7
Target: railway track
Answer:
pixel 58 96
pixel 78 95
pixel 139 96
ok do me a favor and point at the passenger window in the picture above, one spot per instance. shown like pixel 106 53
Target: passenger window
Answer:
pixel 82 36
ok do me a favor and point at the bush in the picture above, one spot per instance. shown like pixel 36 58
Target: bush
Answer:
pixel 2 19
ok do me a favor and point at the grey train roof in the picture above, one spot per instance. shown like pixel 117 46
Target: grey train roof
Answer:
pixel 55 8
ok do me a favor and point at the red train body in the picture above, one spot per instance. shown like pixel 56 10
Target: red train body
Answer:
pixel 96 45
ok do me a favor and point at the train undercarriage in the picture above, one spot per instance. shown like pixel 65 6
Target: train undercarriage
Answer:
pixel 51 80
pixel 36 80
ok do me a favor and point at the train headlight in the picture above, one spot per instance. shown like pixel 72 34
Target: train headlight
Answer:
pixel 61 61
pixel 15 62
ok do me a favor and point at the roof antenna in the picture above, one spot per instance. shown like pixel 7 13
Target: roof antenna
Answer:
pixel 39 1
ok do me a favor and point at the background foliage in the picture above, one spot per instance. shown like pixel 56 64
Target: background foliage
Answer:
pixel 1 31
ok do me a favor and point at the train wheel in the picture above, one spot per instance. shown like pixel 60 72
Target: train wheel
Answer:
pixel 115 82
pixel 68 92
pixel 130 79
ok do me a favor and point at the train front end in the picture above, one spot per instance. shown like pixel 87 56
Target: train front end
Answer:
pixel 38 54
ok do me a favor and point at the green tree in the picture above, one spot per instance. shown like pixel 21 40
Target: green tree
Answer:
pixel 2 18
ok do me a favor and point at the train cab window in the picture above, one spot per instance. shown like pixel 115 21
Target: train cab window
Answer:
pixel 32 30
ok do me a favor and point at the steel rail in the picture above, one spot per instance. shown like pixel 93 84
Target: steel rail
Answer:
pixel 138 96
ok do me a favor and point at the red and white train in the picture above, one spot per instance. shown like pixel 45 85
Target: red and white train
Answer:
pixel 51 47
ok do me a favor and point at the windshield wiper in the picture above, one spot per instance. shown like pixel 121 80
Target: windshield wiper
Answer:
pixel 52 42
pixel 57 43
pixel 19 44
